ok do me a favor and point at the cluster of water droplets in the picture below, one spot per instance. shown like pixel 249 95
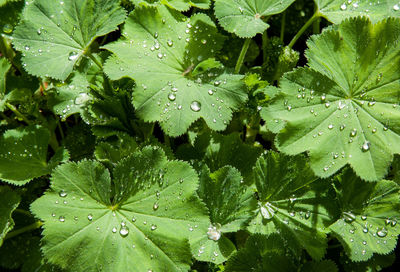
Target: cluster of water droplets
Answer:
pixel 364 8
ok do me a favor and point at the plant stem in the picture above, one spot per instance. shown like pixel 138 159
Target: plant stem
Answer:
pixel 17 113
pixel 53 141
pixel 33 226
pixel 316 26
pixel 242 55
pixel 60 129
pixel 95 60
pixel 283 24
pixel 304 28
pixel 21 211
pixel 264 45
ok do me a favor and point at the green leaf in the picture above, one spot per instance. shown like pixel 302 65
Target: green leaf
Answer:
pixel 54 36
pixel 325 265
pixel 220 150
pixel 181 5
pixel 246 18
pixel 376 263
pixel 9 201
pixel 292 203
pixel 70 97
pixel 10 11
pixel 93 223
pixel 261 253
pixel 115 148
pixel 23 154
pixel 152 48
pixel 229 202
pixel 344 108
pixel 4 67
pixel 3 2
pixel 370 212
pixel 337 10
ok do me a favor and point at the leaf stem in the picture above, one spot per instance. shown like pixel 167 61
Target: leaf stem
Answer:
pixel 17 113
pixel 316 24
pixel 283 25
pixel 264 45
pixel 31 227
pixel 316 15
pixel 242 55
pixel 95 60
pixel 60 129
pixel 21 211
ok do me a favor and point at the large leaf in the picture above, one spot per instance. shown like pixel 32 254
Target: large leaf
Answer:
pixel 246 18
pixel 262 254
pixel 23 154
pixel 370 212
pixel 54 35
pixel 230 203
pixel 338 10
pixel 344 108
pixel 92 224
pixel 159 43
pixel 181 5
pixel 292 203
pixel 9 201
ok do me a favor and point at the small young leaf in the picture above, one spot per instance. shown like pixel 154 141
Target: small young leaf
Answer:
pixel 23 154
pixel 9 201
pixel 152 48
pixel 344 108
pixel 369 217
pixel 246 18
pixel 54 35
pixel 88 225
pixel 229 202
pixel 260 254
pixel 292 203
pixel 338 10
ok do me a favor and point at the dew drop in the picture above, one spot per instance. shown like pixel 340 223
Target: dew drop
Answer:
pixel 396 7
pixel 353 133
pixel 213 233
pixel 382 232
pixel 90 217
pixel 124 231
pixel 7 28
pixel 170 43
pixel 343 7
pixel 61 219
pixel 114 230
pixel 73 56
pixel 172 97
pixel 155 206
pixel 267 211
pixel 62 193
pixel 195 106
pixel 153 227
pixel 366 146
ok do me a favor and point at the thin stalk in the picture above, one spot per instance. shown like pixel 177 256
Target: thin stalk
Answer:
pixel 316 24
pixel 54 142
pixel 242 55
pixel 304 28
pixel 60 129
pixel 17 113
pixel 95 60
pixel 21 211
pixel 283 25
pixel 31 227
pixel 5 117
pixel 264 45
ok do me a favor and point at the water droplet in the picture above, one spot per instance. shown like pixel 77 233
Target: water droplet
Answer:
pixel 349 217
pixel 343 7
pixel 203 41
pixel 364 217
pixel 114 230
pixel 364 243
pixel 366 146
pixel 267 211
pixel 382 232
pixel 160 55
pixel 213 233
pixel 217 83
pixel 7 28
pixel 62 193
pixel 170 43
pixel 172 97
pixel 124 231
pixel 307 215
pixel 210 92
pixel 90 217
pixel 353 133
pixel 82 98
pixel 153 227
pixel 195 106
pixel 61 219
pixel 73 56
pixel 393 223
pixel 396 7
pixel 155 206
pixel 330 126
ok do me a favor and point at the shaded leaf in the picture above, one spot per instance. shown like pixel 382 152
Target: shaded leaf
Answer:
pixel 9 201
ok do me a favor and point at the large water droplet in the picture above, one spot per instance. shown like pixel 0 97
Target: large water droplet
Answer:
pixel 7 28
pixel 353 133
pixel 73 56
pixel 62 193
pixel 195 106
pixel 82 98
pixel 366 146
pixel 349 217
pixel 172 97
pixel 382 232
pixel 61 218
pixel 90 217
pixel 213 233
pixel 267 211
pixel 396 7
pixel 124 231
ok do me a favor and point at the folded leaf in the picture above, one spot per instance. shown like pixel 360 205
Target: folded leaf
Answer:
pixel 181 5
pixel 9 201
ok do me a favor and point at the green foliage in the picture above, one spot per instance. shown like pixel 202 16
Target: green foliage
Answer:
pixel 168 136
pixel 343 109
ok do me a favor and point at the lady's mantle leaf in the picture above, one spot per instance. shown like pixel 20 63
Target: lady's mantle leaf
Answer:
pixel 261 254
pixel 325 265
pixel 345 109
pixel 23 154
pixel 9 201
pixel 90 226
pixel 229 202
pixel 161 50
pixel 369 217
pixel 291 203
pixel 181 5
pixel 244 17
pixel 54 35
pixel 338 10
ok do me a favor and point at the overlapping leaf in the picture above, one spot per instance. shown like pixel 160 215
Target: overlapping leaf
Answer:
pixel 369 217
pixel 292 203
pixel 338 10
pixel 181 5
pixel 262 253
pixel 247 18
pixel 159 43
pixel 229 202
pixel 9 201
pixel 53 36
pixel 153 206
pixel 23 154
pixel 344 108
